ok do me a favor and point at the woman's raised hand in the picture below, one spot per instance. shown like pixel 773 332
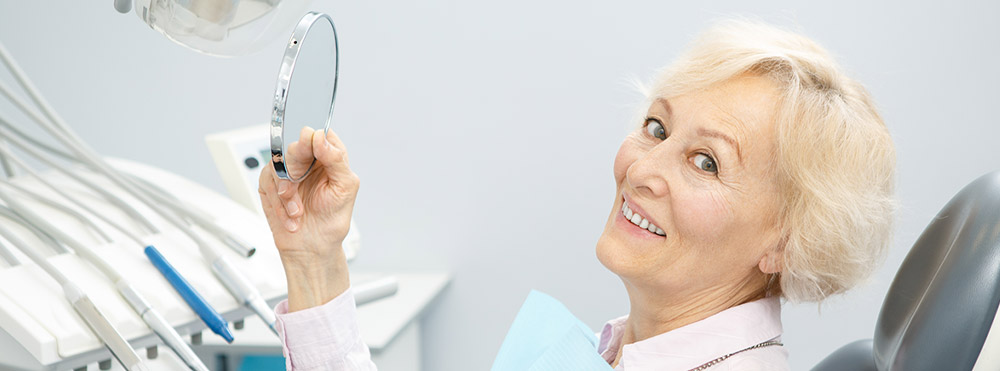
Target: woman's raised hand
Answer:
pixel 310 219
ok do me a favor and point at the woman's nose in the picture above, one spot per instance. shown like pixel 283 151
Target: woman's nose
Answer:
pixel 648 174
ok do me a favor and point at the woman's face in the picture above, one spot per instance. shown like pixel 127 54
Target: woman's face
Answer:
pixel 698 175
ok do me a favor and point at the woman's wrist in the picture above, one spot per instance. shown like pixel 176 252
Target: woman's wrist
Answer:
pixel 315 280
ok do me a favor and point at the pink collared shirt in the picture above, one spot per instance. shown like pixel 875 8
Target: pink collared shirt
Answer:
pixel 327 338
pixel 690 346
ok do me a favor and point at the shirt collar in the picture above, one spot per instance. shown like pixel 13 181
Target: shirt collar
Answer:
pixel 692 345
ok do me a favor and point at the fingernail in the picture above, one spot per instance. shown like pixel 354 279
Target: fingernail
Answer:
pixel 291 225
pixel 293 208
pixel 282 187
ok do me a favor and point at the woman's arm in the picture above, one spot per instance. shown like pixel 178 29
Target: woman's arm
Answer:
pixel 309 221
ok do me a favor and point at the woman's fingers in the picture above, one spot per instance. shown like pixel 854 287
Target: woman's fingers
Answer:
pixel 296 163
pixel 274 207
pixel 293 204
pixel 288 194
pixel 300 153
pixel 282 198
pixel 306 133
pixel 298 159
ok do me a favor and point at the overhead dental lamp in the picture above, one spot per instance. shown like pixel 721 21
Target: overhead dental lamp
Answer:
pixel 224 28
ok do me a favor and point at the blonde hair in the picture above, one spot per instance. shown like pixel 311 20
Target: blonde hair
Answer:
pixel 835 160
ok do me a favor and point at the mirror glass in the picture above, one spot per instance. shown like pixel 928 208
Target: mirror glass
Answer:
pixel 303 101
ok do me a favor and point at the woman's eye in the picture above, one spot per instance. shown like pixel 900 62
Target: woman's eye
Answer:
pixel 706 163
pixel 655 128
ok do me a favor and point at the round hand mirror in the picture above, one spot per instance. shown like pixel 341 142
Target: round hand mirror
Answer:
pixel 304 104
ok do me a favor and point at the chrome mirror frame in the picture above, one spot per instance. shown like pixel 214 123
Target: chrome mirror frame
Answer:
pixel 277 129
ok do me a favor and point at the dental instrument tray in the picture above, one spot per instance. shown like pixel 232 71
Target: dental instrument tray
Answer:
pixel 39 329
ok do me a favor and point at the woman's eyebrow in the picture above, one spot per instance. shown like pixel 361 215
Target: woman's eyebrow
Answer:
pixel 666 105
pixel 715 134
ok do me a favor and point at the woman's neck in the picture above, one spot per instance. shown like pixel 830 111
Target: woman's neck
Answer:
pixel 652 313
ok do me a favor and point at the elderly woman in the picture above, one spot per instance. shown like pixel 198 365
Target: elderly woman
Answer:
pixel 758 171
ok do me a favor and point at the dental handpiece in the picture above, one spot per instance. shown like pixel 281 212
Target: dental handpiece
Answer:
pixel 100 325
pixel 205 311
pixel 240 287
pixel 155 321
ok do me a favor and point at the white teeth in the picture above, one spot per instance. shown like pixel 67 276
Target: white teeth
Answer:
pixel 638 220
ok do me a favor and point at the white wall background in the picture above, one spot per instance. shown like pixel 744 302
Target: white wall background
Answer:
pixel 484 132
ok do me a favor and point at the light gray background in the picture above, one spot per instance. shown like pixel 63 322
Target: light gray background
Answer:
pixel 484 132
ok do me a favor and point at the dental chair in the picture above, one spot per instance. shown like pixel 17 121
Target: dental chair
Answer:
pixel 941 311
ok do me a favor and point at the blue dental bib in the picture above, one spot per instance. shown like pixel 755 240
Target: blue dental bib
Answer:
pixel 545 336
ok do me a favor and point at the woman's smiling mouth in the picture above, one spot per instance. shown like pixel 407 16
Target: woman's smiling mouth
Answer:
pixel 640 221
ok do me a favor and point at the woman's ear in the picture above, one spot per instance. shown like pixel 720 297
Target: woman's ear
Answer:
pixel 774 259
pixel 771 262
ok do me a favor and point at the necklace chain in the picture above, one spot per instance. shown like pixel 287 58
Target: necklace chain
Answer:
pixel 723 358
